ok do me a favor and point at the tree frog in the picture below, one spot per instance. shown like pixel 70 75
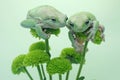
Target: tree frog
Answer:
pixel 42 18
pixel 86 23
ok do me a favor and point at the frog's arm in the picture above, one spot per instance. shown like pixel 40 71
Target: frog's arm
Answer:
pixel 78 47
pixel 72 39
pixel 93 30
pixel 40 32
pixel 28 23
pixel 70 34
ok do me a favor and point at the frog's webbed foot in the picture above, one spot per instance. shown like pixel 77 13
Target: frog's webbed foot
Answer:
pixel 78 47
pixel 102 29
pixel 91 35
pixel 40 32
pixel 93 30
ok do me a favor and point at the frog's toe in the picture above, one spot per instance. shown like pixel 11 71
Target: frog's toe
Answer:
pixel 103 37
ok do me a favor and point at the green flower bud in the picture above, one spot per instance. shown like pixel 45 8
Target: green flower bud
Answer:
pixel 53 31
pixel 33 32
pixel 38 45
pixel 36 57
pixel 58 65
pixel 48 31
pixel 71 54
pixel 81 36
pixel 97 39
pixel 17 64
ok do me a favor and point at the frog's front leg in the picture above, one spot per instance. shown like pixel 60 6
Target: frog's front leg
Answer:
pixel 93 30
pixel 40 32
pixel 78 47
pixel 102 29
pixel 28 23
pixel 32 24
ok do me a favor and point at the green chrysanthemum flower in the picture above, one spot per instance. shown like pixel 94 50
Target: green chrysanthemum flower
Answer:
pixel 81 36
pixel 38 45
pixel 36 57
pixel 33 32
pixel 51 31
pixel 97 39
pixel 17 64
pixel 58 65
pixel 71 54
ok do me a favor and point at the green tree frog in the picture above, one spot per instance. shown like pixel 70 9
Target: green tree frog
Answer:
pixel 42 18
pixel 83 23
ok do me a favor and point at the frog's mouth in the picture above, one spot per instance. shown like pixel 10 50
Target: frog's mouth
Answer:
pixel 88 30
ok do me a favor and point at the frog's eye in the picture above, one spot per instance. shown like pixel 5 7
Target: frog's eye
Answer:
pixel 87 22
pixel 71 24
pixel 54 20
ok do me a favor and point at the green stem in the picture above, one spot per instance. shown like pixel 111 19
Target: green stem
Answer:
pixel 47 46
pixel 50 77
pixel 47 51
pixel 60 77
pixel 39 71
pixel 43 72
pixel 82 61
pixel 67 75
pixel 28 73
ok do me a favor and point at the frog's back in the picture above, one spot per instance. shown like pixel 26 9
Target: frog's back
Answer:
pixel 83 15
pixel 43 12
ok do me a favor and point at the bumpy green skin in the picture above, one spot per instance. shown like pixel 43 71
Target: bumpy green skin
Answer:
pixel 82 27
pixel 17 64
pixel 71 54
pixel 35 58
pixel 42 18
pixel 37 45
pixel 58 65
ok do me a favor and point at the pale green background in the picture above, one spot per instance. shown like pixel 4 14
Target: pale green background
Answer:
pixel 102 62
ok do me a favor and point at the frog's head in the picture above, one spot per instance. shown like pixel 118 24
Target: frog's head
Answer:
pixel 52 18
pixel 80 22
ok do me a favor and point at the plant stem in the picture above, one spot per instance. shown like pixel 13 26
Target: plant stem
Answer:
pixel 50 77
pixel 67 75
pixel 28 73
pixel 43 72
pixel 47 46
pixel 60 77
pixel 82 61
pixel 39 72
pixel 47 51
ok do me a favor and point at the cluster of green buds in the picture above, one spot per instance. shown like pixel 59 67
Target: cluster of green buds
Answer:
pixel 36 56
pixel 47 30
